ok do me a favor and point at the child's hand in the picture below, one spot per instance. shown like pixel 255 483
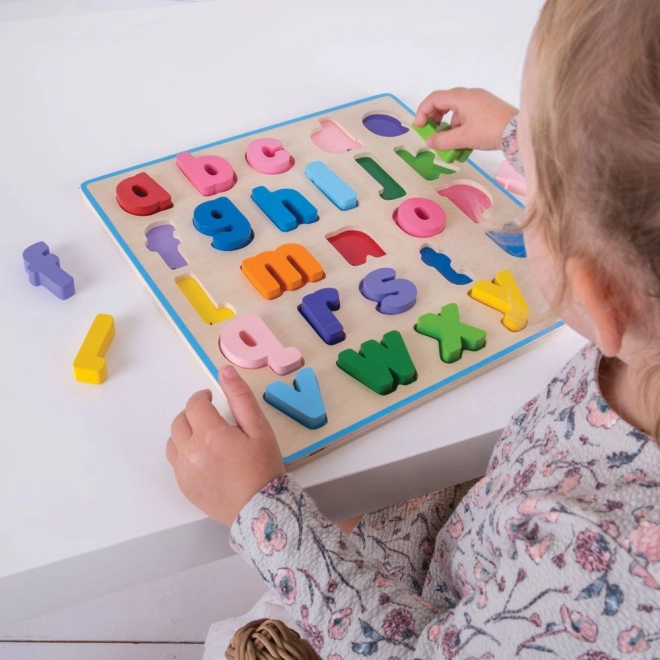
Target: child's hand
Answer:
pixel 478 121
pixel 219 467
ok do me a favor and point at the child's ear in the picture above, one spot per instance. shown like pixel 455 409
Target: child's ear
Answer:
pixel 595 295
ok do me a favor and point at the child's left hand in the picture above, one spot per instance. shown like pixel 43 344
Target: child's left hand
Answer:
pixel 219 467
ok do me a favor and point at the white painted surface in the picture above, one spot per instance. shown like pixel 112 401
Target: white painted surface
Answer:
pixel 86 651
pixel 88 503
pixel 177 608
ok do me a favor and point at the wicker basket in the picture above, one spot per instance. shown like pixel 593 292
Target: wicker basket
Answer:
pixel 268 639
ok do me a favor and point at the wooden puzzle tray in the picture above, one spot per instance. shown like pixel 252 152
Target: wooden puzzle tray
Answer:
pixel 334 250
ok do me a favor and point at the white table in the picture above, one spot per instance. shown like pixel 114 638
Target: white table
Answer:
pixel 88 503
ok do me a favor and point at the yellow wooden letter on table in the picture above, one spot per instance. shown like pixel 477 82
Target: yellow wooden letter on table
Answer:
pixel 503 295
pixel 89 365
pixel 202 303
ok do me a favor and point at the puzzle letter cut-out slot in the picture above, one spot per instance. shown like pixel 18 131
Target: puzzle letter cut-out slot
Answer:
pixel 346 269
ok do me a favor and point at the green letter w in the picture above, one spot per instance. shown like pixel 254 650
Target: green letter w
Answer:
pixel 381 366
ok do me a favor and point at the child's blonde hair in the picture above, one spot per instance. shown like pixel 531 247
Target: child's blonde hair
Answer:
pixel 595 134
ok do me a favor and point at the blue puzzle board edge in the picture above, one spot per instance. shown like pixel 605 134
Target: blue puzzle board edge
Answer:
pixel 204 357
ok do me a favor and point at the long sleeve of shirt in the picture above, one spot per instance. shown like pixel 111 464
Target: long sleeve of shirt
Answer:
pixel 510 145
pixel 554 553
pixel 403 536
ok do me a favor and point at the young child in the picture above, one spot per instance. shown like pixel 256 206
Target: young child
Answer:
pixel 556 551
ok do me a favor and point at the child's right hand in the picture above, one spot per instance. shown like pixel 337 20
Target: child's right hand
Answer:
pixel 219 466
pixel 478 121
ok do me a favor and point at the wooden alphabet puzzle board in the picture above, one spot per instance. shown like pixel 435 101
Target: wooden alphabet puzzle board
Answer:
pixel 334 250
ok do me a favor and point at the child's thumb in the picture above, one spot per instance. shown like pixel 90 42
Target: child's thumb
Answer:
pixel 242 402
pixel 454 138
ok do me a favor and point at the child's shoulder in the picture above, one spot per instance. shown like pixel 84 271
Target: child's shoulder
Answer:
pixel 570 426
pixel 579 372
pixel 568 447
pixel 567 389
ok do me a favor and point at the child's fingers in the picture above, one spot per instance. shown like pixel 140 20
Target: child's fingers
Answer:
pixel 171 452
pixel 436 116
pixel 437 104
pixel 201 413
pixel 455 138
pixel 180 429
pixel 242 402
pixel 422 118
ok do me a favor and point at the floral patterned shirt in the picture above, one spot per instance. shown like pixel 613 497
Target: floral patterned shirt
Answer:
pixel 510 145
pixel 554 553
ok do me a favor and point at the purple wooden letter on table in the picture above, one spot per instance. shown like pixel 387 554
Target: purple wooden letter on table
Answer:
pixel 393 294
pixel 317 309
pixel 43 268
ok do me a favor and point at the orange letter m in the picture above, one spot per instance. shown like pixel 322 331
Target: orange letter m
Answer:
pixel 287 268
